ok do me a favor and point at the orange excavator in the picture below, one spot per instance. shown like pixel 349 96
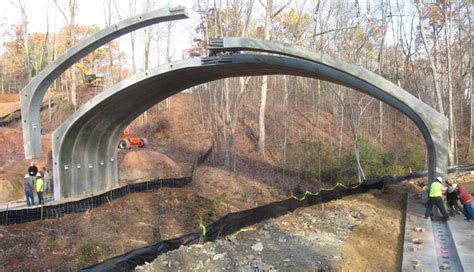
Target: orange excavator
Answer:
pixel 127 141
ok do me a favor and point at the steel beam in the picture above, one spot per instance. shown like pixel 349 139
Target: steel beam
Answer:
pixel 31 96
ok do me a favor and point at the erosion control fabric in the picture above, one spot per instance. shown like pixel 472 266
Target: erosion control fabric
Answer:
pixel 234 222
pixel 18 216
pixel 228 224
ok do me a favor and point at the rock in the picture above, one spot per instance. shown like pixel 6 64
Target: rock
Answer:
pixel 355 214
pixel 200 265
pixel 219 256
pixel 233 239
pixel 197 246
pixel 258 246
pixel 264 233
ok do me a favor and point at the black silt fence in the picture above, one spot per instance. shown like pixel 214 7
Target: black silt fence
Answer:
pixel 233 222
pixel 228 224
pixel 18 216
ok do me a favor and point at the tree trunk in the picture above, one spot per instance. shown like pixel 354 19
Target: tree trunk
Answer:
pixel 355 133
pixel 380 64
pixel 471 97
pixel 168 54
pixel 132 9
pixel 228 135
pixel 434 73
pixel 263 91
pixel 452 138
pixel 108 16
pixel 285 128
pixel 341 129
pixel 27 58
pixel 72 14
pixel 148 33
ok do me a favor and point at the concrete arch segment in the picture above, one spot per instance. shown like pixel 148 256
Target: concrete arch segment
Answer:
pixel 31 96
pixel 436 136
pixel 103 118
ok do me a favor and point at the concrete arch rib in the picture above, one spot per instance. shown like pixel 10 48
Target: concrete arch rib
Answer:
pixel 107 114
pixel 32 95
pixel 436 136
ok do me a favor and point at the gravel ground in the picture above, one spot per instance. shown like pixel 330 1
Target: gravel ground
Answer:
pixel 309 239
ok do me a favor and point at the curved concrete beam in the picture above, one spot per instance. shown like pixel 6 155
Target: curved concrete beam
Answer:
pixel 436 137
pixel 31 96
pixel 87 142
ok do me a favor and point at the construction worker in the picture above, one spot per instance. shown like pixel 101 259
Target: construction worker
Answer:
pixel 452 198
pixel 436 198
pixel 28 185
pixel 39 188
pixel 464 197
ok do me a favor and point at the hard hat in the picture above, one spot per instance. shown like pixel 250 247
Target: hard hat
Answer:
pixel 27 176
pixel 38 174
pixel 440 179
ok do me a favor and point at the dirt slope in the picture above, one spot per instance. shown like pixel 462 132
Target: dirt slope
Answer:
pixel 109 230
pixel 143 165
pixel 13 166
pixel 337 236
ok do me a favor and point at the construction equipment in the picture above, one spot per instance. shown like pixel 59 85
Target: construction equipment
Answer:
pixel 127 141
pixel 90 79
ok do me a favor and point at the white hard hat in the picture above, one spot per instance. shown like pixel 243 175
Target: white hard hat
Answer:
pixel 38 174
pixel 27 176
pixel 440 179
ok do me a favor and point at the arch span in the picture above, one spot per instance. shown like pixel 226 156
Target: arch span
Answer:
pixel 85 145
pixel 31 97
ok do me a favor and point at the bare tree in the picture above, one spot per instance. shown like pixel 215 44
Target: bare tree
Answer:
pixel 470 87
pixel 132 5
pixel 148 33
pixel 355 116
pixel 72 7
pixel 24 20
pixel 452 137
pixel 269 15
pixel 433 67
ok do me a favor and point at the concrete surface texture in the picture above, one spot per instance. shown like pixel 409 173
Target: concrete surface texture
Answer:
pixel 463 235
pixel 419 249
pixel 435 245
pixel 85 145
pixel 32 95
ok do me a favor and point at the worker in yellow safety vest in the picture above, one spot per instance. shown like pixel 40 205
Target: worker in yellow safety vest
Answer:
pixel 436 198
pixel 40 188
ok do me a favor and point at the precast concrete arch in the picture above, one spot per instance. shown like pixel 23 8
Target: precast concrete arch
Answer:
pixel 31 96
pixel 436 137
pixel 85 145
